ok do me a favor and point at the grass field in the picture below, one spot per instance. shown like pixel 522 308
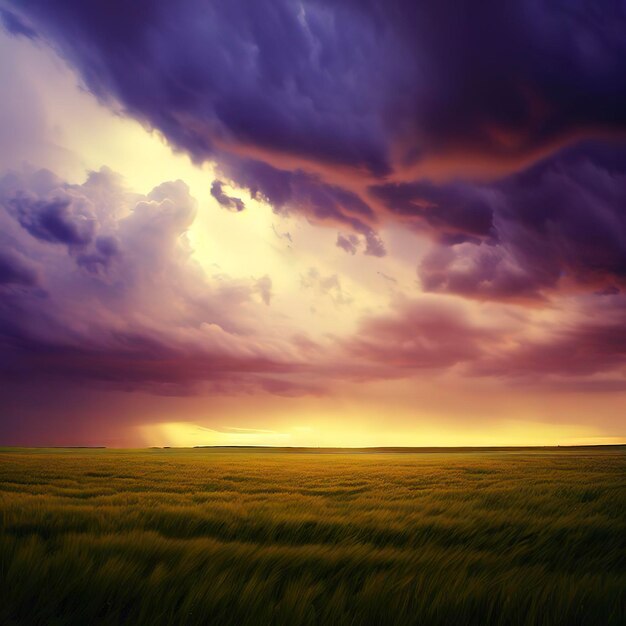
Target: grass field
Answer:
pixel 267 537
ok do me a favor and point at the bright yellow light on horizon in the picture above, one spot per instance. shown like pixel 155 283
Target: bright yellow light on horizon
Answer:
pixel 189 434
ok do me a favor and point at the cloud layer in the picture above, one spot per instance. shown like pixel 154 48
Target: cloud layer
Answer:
pixel 100 285
pixel 467 162
pixel 353 112
pixel 345 83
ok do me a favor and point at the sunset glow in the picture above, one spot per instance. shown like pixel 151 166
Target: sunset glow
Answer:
pixel 312 235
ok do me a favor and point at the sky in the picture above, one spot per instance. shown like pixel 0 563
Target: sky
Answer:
pixel 347 223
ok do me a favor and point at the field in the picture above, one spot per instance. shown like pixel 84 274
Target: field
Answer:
pixel 270 537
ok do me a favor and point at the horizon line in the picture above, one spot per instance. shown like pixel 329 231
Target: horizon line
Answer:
pixel 318 448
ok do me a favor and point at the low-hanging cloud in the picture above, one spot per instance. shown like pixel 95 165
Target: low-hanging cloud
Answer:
pixel 438 335
pixel 128 308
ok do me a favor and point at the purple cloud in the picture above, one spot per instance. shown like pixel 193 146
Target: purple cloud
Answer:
pixel 247 72
pixel 458 211
pixel 418 335
pixel 15 269
pixel 433 334
pixel 560 221
pixel 343 83
pixel 15 26
pixel 57 220
pixel 332 109
pixel 592 343
pixel 289 191
pixel 228 202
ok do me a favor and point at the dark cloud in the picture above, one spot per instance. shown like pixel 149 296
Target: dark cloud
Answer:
pixel 228 202
pixel 57 220
pixel 306 193
pixel 335 109
pixel 457 211
pixel 139 363
pixel 15 26
pixel 558 222
pixel 507 79
pixel 276 75
pixel 15 269
pixel 300 191
pixel 481 271
pixel 344 83
pixel 352 114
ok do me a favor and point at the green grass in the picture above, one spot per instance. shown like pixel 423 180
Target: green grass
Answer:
pixel 264 537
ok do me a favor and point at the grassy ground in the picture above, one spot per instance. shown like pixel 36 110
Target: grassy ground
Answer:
pixel 262 537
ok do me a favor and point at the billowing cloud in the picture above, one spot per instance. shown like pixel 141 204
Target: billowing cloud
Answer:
pixel 557 223
pixel 352 113
pixel 99 284
pixel 344 84
pixel 59 219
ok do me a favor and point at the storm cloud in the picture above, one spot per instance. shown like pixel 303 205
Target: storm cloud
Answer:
pixel 309 104
pixel 343 82
pixel 561 222
pixel 465 164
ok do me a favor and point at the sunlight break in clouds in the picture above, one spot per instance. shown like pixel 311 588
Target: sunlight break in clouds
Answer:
pixel 277 223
